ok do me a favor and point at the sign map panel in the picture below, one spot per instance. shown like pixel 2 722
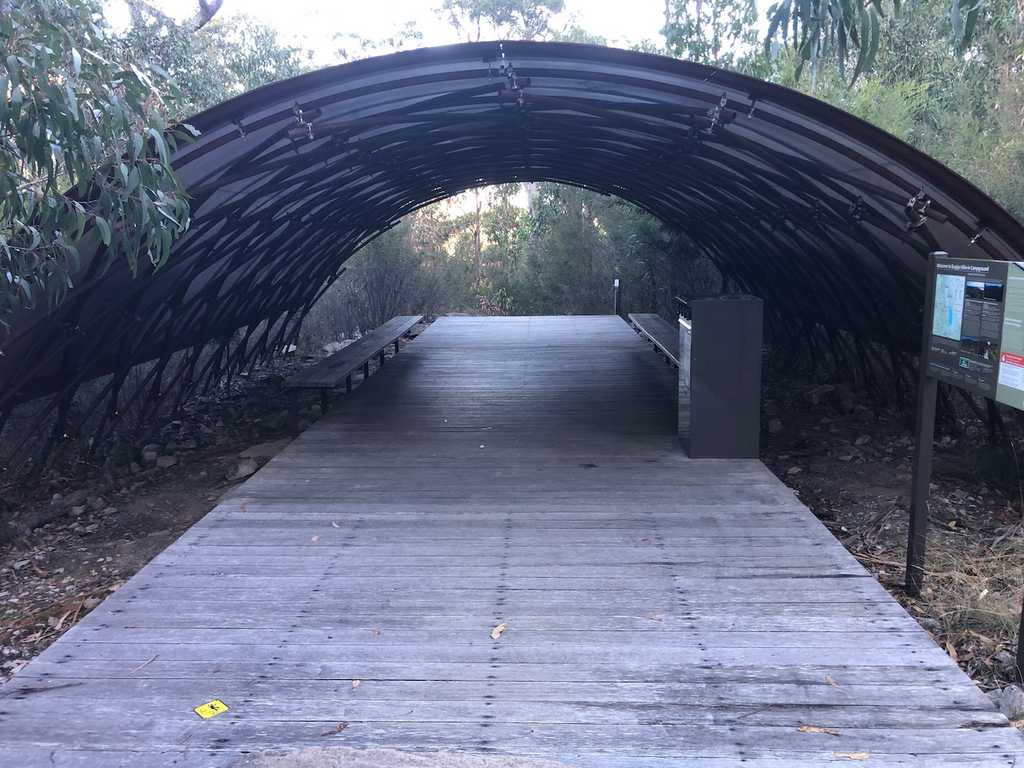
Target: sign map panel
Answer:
pixel 977 328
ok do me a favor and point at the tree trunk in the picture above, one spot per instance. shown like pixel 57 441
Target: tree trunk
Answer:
pixel 477 244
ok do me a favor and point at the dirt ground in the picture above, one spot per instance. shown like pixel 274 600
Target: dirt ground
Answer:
pixel 847 460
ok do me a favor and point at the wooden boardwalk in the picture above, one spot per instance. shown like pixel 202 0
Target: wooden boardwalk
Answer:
pixel 660 612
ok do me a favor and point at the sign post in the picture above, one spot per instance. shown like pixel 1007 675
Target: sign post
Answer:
pixel 973 338
pixel 927 389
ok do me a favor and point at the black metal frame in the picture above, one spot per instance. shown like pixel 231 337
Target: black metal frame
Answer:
pixel 826 217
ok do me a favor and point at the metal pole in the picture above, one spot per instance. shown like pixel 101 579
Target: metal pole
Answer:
pixel 927 388
pixel 1020 648
pixel 616 298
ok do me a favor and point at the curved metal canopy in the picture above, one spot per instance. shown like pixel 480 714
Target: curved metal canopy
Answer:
pixel 824 216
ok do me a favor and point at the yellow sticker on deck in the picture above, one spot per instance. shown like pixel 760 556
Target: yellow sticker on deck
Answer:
pixel 211 709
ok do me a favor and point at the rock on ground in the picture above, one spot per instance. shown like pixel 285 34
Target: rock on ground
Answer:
pixel 346 757
pixel 265 450
pixel 1010 701
pixel 244 468
pixel 333 347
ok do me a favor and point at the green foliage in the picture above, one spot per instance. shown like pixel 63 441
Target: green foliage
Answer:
pixel 506 227
pixel 511 19
pixel 557 256
pixel 720 33
pixel 85 140
pixel 965 110
pixel 412 268
pixel 898 107
pixel 984 144
pixel 845 31
pixel 76 114
pixel 573 33
pixel 356 46
pixel 561 255
pixel 227 57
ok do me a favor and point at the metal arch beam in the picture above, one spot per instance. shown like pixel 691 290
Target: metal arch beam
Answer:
pixel 792 197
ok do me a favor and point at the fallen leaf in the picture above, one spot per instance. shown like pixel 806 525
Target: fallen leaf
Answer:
pixel 356 683
pixel 336 729
pixel 984 638
pixel 334 524
pixel 144 664
pixel 951 650
pixel 496 632
pixel 817 729
pixel 852 755
pixel 315 539
pixel 60 622
pixel 243 508
pixel 376 632
pixel 653 616
pixel 829 679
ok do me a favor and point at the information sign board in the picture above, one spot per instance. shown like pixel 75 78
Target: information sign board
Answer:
pixel 977 328
pixel 974 339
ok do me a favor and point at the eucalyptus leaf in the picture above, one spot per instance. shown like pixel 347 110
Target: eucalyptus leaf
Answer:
pixel 75 112
pixel 104 228
pixel 817 29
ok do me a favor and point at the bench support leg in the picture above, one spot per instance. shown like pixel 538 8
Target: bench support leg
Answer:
pixel 381 358
pixel 348 384
pixel 366 370
pixel 293 412
pixel 325 401
pixel 396 346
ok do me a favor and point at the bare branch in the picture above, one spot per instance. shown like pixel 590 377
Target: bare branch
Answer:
pixel 207 10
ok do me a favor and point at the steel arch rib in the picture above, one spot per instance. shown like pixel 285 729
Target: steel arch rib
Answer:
pixel 785 192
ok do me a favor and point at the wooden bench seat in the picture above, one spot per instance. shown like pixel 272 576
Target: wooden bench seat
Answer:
pixel 661 333
pixel 333 371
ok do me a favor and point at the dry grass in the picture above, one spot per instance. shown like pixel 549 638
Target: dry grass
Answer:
pixel 973 600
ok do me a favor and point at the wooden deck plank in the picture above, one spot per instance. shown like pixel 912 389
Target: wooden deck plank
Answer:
pixel 84 757
pixel 683 694
pixel 625 670
pixel 660 611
